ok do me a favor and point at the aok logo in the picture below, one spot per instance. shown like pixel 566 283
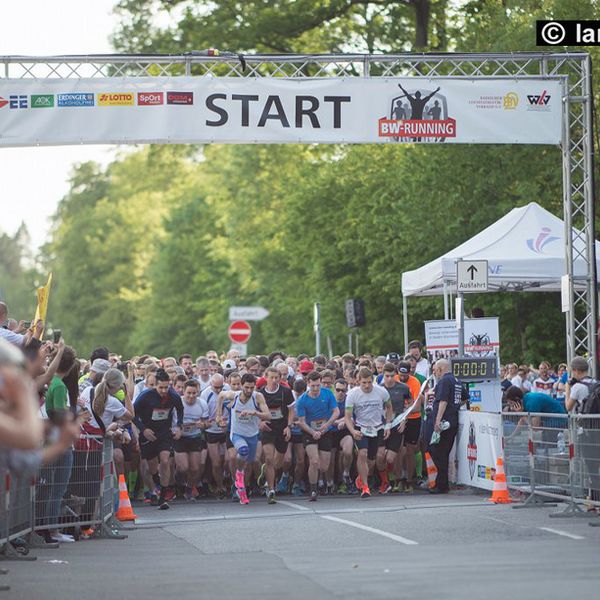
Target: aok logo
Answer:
pixel 150 98
pixel 122 99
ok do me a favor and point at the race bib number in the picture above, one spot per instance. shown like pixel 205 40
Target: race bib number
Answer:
pixel 318 423
pixel 276 413
pixel 369 431
pixel 160 414
pixel 189 428
pixel 243 418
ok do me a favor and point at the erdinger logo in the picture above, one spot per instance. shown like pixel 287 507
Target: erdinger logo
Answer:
pixel 418 116
pixel 472 450
pixel 544 238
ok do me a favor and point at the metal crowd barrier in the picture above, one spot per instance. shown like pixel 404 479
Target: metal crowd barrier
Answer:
pixel 76 492
pixel 556 457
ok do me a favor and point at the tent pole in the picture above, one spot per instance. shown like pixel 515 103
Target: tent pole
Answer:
pixel 405 322
pixel 446 317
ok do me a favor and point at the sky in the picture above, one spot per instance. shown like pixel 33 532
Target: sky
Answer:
pixel 33 180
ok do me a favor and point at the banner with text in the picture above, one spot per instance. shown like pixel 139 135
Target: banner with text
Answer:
pixel 478 446
pixel 271 110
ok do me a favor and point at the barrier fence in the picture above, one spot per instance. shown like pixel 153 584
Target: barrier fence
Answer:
pixel 73 494
pixel 554 456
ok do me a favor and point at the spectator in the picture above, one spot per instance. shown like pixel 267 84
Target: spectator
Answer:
pixel 578 387
pixel 422 366
pixel 543 383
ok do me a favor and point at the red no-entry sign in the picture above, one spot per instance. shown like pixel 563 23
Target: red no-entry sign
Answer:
pixel 239 332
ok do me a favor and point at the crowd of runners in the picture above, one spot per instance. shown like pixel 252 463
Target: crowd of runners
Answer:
pixel 233 427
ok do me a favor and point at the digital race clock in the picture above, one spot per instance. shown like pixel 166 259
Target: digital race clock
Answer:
pixel 469 368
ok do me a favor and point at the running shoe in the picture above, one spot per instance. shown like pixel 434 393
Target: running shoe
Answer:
pixel 164 505
pixel 322 488
pixel 408 487
pixel 366 492
pixel 153 500
pixel 282 486
pixel 147 497
pixel 342 488
pixel 243 496
pixel 195 492
pixel 384 488
pixel 396 488
pixel 313 496
pixel 187 495
pixel 169 494
pixel 297 490
pixel 330 489
pixel 271 497
pixel 358 482
pixel 62 538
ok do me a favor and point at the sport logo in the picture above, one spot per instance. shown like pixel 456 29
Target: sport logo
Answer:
pixel 3 102
pixel 416 116
pixel 180 97
pixel 42 101
pixel 116 99
pixel 472 450
pixel 544 238
pixel 479 345
pixel 150 98
pixel 538 101
pixel 76 99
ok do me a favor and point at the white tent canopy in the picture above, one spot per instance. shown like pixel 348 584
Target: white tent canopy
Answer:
pixel 525 250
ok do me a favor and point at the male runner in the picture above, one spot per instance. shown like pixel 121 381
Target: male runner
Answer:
pixel 215 433
pixel 317 410
pixel 296 446
pixel 343 441
pixel 412 430
pixel 247 408
pixel 153 417
pixel 203 372
pixel 401 398
pixel 190 448
pixel 365 407
pixel 276 433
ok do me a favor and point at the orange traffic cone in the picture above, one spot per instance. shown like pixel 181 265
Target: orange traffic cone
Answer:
pixel 431 471
pixel 500 491
pixel 125 512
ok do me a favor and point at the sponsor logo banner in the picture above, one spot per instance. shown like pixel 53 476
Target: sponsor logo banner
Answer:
pixel 3 102
pixel 150 98
pixel 42 100
pixel 116 99
pixel 180 97
pixel 285 110
pixel 76 99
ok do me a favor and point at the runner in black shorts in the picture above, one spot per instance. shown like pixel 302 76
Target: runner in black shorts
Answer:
pixel 343 441
pixel 401 398
pixel 275 434
pixel 296 446
pixel 365 406
pixel 317 410
pixel 153 417
pixel 190 448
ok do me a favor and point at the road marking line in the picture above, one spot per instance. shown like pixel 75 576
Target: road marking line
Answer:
pixel 564 533
pixel 294 505
pixel 391 536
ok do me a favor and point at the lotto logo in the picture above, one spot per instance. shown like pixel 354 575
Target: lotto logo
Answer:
pixel 121 99
pixel 150 98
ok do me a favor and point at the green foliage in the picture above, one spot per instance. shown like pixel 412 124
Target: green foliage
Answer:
pixel 149 254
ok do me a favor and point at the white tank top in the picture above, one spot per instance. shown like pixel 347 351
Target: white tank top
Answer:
pixel 246 426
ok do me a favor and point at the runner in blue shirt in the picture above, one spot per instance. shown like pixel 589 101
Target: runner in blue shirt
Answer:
pixel 317 410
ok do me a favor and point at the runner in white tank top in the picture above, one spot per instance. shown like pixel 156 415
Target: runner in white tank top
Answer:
pixel 248 408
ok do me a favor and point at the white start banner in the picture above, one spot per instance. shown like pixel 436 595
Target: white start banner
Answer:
pixel 279 110
pixel 478 446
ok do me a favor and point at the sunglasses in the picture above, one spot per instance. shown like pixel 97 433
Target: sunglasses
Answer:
pixel 340 390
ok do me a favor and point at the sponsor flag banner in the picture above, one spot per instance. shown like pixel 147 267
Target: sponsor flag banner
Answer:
pixel 478 446
pixel 285 110
pixel 482 338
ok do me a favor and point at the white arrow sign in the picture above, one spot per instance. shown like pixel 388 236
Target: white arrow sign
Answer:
pixel 471 276
pixel 248 313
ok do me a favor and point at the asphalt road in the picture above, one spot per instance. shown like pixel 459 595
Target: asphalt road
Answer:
pixel 418 546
